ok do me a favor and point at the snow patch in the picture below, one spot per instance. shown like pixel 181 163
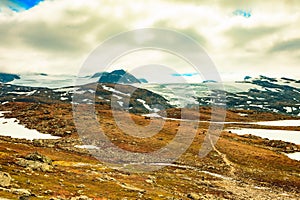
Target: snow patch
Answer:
pixel 114 90
pixel 284 135
pixel 86 147
pixel 11 127
pixel 294 156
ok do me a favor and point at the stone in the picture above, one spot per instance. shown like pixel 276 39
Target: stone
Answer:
pixel 149 181
pixel 82 197
pixel 48 192
pixel 194 196
pixel 20 191
pixel 34 165
pixel 80 186
pixel 24 197
pixel 38 157
pixel 5 179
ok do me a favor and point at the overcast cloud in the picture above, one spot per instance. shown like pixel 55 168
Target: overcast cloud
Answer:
pixel 56 36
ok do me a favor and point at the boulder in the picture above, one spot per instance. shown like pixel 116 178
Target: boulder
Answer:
pixel 5 179
pixel 35 165
pixel 194 196
pixel 36 161
pixel 20 191
pixel 38 157
pixel 82 197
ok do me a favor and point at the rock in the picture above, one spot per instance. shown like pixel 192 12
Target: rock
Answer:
pixel 34 165
pixel 20 191
pixel 48 192
pixel 80 186
pixel 80 192
pixel 36 161
pixel 57 198
pixel 149 181
pixel 132 188
pixel 82 197
pixel 193 196
pixel 38 157
pixel 5 179
pixel 24 197
pixel 68 132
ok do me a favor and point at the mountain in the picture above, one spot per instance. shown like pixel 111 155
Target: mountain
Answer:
pixel 142 80
pixel 263 93
pixel 106 160
pixel 117 76
pixel 4 77
pixel 139 100
pixel 279 95
pixel 209 81
pixel 268 94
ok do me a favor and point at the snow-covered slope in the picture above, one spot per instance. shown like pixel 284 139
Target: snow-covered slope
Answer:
pixel 263 93
pixel 280 95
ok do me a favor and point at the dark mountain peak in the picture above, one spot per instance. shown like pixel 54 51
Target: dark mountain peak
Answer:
pixel 247 78
pixel 209 81
pixel 117 76
pixel 288 79
pixel 119 72
pixel 5 77
pixel 142 80
pixel 268 78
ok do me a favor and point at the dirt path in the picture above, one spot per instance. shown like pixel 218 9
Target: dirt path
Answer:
pixel 225 159
pixel 243 190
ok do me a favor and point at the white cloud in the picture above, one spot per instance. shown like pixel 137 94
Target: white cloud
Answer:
pixel 56 36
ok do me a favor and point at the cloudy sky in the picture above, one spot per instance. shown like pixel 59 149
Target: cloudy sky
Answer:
pixel 241 37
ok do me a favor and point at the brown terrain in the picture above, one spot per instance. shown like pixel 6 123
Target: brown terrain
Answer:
pixel 238 167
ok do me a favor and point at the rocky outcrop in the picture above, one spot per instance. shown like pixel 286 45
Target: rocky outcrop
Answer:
pixel 36 161
pixel 5 179
pixel 38 157
pixel 82 197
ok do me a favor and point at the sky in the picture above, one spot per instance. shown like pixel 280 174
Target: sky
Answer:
pixel 241 37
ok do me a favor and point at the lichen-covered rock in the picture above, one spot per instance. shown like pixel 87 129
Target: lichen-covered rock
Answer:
pixel 5 179
pixel 82 197
pixel 36 161
pixel 38 157
pixel 34 165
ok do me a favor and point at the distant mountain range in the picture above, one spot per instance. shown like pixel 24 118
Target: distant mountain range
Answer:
pixel 267 94
pixel 139 100
pixel 279 95
pixel 55 81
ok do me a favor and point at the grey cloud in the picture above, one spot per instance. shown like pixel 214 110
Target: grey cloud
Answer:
pixel 237 3
pixel 240 36
pixel 8 35
pixel 41 36
pixel 290 45
pixel 52 38
pixel 194 35
pixel 224 4
pixel 66 36
pixel 5 3
pixel 190 31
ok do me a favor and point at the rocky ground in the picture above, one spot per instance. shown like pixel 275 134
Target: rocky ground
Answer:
pixel 238 167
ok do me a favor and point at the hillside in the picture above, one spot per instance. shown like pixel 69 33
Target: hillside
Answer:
pixel 239 167
pixel 70 167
